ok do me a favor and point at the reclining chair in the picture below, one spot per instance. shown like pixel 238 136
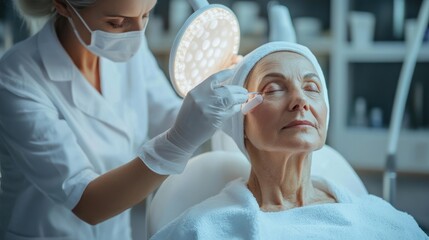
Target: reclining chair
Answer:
pixel 207 174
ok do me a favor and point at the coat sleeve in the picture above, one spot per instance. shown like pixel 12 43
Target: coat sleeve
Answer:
pixel 42 145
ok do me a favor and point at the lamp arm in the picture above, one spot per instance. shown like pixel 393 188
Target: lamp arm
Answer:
pixel 197 4
pixel 389 180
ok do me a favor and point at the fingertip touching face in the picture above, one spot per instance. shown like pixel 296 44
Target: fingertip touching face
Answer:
pixel 293 114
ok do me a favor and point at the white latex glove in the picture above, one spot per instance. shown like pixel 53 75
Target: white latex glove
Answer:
pixel 203 111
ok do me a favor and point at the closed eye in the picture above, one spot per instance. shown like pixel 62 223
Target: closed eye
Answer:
pixel 311 86
pixel 273 88
pixel 115 25
pixel 311 82
pixel 121 22
pixel 271 92
pixel 116 22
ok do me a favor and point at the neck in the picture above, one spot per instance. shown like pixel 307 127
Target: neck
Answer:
pixel 85 61
pixel 281 181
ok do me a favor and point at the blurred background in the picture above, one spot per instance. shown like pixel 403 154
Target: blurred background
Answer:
pixel 361 46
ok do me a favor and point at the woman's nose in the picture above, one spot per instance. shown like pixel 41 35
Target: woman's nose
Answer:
pixel 298 102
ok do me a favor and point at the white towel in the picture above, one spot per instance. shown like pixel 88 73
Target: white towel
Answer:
pixel 235 214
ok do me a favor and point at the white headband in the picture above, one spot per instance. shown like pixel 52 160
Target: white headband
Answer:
pixel 234 126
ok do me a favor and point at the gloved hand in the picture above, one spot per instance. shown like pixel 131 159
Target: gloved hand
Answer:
pixel 203 111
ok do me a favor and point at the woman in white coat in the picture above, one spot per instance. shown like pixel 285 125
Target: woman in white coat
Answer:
pixel 79 102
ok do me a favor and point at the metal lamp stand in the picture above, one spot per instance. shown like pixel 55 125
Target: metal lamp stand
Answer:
pixel 389 178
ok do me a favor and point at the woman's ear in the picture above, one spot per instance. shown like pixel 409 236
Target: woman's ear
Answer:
pixel 62 8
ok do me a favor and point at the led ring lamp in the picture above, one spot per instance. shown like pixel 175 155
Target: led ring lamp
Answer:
pixel 205 44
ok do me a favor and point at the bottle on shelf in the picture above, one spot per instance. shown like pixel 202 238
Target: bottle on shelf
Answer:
pixel 359 118
pixel 376 117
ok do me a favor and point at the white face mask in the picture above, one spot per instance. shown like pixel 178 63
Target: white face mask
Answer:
pixel 118 47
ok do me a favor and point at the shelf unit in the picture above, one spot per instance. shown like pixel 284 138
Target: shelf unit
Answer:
pixel 365 148
pixel 383 52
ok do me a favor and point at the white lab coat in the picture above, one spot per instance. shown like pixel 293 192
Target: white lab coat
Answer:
pixel 57 133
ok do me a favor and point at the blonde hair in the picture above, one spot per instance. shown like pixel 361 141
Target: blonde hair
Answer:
pixel 37 12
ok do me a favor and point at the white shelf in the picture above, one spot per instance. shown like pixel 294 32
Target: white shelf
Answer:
pixel 366 149
pixel 416 134
pixel 383 52
pixel 319 46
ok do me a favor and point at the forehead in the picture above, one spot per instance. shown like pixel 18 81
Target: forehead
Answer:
pixel 129 7
pixel 283 62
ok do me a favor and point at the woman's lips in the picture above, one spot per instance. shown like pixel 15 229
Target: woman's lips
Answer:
pixel 299 123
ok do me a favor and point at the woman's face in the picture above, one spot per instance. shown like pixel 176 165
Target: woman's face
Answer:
pixel 112 16
pixel 292 116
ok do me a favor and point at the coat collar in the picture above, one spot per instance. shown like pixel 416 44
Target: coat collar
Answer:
pixel 57 63
pixel 60 68
pixel 104 107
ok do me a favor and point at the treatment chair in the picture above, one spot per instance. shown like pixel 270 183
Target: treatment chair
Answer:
pixel 207 174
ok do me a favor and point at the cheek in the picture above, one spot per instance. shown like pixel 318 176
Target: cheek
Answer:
pixel 260 124
pixel 266 113
pixel 320 112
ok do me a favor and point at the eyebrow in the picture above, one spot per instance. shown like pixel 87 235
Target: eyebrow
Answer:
pixel 312 76
pixel 271 75
pixel 117 16
pixel 279 75
pixel 124 16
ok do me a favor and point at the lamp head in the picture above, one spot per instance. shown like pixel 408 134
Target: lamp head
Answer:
pixel 205 44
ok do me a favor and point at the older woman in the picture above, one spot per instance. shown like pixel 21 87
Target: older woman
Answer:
pixel 281 199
